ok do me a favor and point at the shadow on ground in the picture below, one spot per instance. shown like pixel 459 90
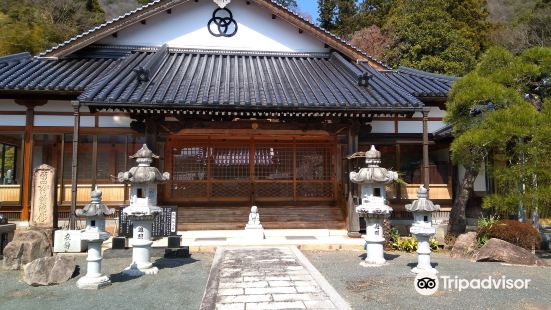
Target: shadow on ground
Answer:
pixel 388 256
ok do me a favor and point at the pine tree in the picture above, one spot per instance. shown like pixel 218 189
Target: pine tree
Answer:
pixel 346 18
pixel 289 4
pixel 327 10
pixel 512 130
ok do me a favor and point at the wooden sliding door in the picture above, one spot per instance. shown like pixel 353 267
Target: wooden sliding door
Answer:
pixel 250 170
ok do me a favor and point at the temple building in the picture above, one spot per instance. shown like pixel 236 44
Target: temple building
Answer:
pixel 245 102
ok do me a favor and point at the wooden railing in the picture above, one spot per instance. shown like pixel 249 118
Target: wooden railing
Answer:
pixel 409 191
pixel 10 193
pixel 110 193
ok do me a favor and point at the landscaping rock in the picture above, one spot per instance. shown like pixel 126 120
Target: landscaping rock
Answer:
pixel 465 246
pixel 496 250
pixel 49 270
pixel 26 246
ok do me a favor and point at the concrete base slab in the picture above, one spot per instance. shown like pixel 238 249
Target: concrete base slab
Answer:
pixel 427 271
pixel 133 271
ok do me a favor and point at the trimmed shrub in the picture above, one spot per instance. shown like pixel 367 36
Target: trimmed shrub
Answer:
pixel 523 235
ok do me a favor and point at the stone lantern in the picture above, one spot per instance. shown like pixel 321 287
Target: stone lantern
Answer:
pixel 143 209
pixel 422 229
pixel 373 207
pixel 95 234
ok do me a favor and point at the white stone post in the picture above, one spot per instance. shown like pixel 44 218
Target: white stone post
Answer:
pixel 141 247
pixel 94 233
pixel 422 229
pixel 373 207
pixel 143 209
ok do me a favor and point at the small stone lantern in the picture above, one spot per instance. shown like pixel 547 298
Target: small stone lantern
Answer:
pixel 95 234
pixel 143 209
pixel 373 207
pixel 422 229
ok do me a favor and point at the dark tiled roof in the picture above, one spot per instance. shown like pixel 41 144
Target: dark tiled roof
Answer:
pixel 32 74
pixel 184 79
pixel 421 83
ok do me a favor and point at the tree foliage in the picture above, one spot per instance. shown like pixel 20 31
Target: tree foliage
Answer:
pixel 440 36
pixel 515 131
pixel 290 4
pixel 33 25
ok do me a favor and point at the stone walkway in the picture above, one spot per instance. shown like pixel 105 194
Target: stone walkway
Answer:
pixel 267 278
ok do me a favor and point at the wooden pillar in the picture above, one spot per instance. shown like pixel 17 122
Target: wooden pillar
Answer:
pixel 353 217
pixel 426 179
pixel 74 164
pixel 27 155
pixel 151 132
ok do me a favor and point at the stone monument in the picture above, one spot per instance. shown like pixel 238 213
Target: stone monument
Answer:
pixel 373 207
pixel 143 209
pixel 422 229
pixel 95 234
pixel 253 229
pixel 43 197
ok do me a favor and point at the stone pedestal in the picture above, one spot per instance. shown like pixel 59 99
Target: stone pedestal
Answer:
pixel 254 232
pixel 94 279
pixel 141 247
pixel 374 241
pixel 422 229
pixel 423 235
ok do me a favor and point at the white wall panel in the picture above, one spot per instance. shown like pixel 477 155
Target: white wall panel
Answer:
pixel 410 127
pixel 12 120
pixel 62 120
pixel 186 27
pixel 114 121
pixel 10 105
pixel 382 127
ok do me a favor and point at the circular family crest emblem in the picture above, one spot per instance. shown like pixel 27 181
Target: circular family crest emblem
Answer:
pixel 222 23
pixel 426 284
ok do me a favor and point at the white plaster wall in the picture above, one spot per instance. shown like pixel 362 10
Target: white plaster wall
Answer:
pixel 410 127
pixel 56 106
pixel 480 182
pixel 114 121
pixel 437 112
pixel 186 27
pixel 10 105
pixel 63 121
pixel 434 126
pixel 12 120
pixel 382 127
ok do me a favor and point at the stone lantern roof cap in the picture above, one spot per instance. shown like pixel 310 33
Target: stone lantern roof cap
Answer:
pixel 373 153
pixel 95 207
pixel 143 173
pixel 422 204
pixel 373 173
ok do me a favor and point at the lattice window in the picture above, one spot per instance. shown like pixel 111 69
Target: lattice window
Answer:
pixel 230 163
pixel 273 163
pixel 313 163
pixel 189 163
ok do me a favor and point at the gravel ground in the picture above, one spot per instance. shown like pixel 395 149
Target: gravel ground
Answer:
pixel 391 286
pixel 179 285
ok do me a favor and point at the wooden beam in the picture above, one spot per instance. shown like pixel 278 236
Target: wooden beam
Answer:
pixel 27 154
pixel 74 165
pixel 426 177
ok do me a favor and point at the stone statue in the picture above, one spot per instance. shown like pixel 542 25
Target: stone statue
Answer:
pixel 253 229
pixel 254 217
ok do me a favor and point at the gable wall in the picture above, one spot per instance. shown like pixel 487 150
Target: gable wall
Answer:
pixel 186 27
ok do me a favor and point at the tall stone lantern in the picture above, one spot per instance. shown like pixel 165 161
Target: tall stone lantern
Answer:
pixel 373 207
pixel 422 229
pixel 143 209
pixel 95 234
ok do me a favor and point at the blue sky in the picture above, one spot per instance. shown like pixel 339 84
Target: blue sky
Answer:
pixel 310 7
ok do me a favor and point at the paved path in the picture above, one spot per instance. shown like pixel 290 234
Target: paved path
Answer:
pixel 267 278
